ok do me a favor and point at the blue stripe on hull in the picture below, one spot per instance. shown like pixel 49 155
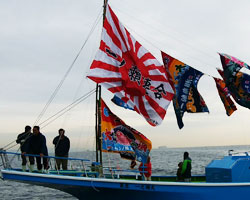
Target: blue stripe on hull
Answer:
pixel 87 188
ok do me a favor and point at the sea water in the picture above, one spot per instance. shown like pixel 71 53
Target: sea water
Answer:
pixel 164 162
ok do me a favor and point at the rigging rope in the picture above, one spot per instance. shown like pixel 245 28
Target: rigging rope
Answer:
pixel 66 109
pixel 67 72
pixel 64 77
pixel 61 112
pixel 8 144
pixel 12 147
pixel 155 46
pixel 172 37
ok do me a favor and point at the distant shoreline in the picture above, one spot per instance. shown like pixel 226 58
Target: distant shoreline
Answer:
pixel 223 146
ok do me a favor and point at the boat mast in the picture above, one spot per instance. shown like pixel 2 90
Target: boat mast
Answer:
pixel 98 108
pixel 96 122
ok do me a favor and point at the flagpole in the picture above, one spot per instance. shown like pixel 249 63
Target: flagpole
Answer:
pixel 96 122
pixel 98 109
pixel 99 124
pixel 105 3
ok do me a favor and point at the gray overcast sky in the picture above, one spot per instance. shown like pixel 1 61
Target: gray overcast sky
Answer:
pixel 40 39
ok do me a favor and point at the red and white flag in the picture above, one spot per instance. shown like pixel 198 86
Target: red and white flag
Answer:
pixel 127 69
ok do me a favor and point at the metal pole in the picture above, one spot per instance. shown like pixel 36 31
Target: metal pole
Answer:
pixel 105 3
pixel 98 109
pixel 96 123
pixel 99 123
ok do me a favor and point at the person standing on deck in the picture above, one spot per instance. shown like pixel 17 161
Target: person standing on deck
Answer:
pixel 132 164
pixel 23 139
pixel 178 173
pixel 62 146
pixel 186 168
pixel 37 146
pixel 146 170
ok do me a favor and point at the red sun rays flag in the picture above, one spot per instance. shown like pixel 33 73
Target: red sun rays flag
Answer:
pixel 127 69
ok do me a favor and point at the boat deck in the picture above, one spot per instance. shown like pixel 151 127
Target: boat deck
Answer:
pixel 137 176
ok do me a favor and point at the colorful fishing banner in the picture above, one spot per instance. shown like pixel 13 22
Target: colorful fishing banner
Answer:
pixel 225 96
pixel 132 73
pixel 128 155
pixel 238 83
pixel 235 60
pixel 121 138
pixel 185 80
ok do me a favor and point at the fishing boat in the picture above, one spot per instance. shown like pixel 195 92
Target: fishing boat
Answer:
pixel 226 178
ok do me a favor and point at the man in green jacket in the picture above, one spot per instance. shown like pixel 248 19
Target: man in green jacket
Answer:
pixel 186 168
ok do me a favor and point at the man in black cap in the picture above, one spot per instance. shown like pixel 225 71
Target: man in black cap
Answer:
pixel 23 139
pixel 62 146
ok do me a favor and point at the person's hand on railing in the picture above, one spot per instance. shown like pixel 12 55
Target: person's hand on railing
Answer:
pixel 23 153
pixel 41 154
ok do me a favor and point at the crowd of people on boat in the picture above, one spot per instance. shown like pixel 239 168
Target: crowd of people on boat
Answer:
pixel 34 144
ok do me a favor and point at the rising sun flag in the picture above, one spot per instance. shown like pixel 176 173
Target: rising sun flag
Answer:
pixel 128 70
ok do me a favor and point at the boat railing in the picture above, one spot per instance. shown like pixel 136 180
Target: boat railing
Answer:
pixel 231 153
pixel 83 165
pixel 118 172
pixel 5 159
pixel 34 155
pixel 76 166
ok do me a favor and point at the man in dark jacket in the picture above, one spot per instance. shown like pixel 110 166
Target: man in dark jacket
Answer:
pixel 37 146
pixel 186 168
pixel 23 139
pixel 62 146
